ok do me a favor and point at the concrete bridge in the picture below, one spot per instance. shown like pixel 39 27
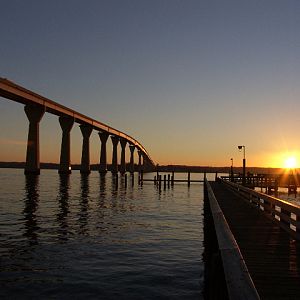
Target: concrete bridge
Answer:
pixel 35 107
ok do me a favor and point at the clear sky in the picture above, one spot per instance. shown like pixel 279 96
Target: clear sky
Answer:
pixel 189 79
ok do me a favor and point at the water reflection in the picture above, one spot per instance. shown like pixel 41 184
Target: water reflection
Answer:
pixel 85 232
pixel 63 200
pixel 30 208
pixel 84 203
pixel 102 185
pixel 114 182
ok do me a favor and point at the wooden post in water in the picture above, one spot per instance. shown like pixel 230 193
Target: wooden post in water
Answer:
pixel 154 180
pixel 159 181
pixel 165 181
pixel 189 178
pixel 216 177
pixel 172 179
pixel 169 181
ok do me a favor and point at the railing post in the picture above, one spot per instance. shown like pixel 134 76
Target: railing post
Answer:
pixel 298 226
pixel 288 214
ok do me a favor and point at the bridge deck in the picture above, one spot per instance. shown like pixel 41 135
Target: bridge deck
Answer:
pixel 272 257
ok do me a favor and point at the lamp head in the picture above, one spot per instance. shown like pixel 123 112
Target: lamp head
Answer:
pixel 240 147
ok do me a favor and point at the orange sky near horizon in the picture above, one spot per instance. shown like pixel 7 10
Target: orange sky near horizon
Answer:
pixel 205 153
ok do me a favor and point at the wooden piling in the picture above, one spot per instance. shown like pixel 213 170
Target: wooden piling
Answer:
pixel 189 178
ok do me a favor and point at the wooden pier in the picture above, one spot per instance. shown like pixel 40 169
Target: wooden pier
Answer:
pixel 168 180
pixel 266 231
pixel 269 182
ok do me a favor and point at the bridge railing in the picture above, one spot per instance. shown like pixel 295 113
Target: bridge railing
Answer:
pixel 286 214
pixel 238 280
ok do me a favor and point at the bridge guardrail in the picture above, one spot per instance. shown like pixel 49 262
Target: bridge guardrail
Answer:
pixel 286 214
pixel 238 280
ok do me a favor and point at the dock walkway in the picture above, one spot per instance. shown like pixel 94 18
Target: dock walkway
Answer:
pixel 271 255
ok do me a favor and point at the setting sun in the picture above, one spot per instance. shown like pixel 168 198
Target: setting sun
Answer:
pixel 290 162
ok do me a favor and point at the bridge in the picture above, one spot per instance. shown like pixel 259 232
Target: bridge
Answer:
pixel 35 107
pixel 252 243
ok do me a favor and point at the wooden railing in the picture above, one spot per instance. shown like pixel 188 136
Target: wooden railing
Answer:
pixel 286 214
pixel 238 280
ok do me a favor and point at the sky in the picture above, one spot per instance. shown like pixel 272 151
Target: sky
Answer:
pixel 190 79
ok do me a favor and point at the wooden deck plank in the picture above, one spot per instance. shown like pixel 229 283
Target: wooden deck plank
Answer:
pixel 272 257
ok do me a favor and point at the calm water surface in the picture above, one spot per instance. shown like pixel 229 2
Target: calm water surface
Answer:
pixel 86 238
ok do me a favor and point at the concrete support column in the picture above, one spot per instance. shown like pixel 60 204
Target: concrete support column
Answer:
pixel 132 148
pixel 34 115
pixel 123 162
pixel 140 153
pixel 103 160
pixel 86 131
pixel 114 163
pixel 66 124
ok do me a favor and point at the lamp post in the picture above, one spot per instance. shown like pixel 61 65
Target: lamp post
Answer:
pixel 231 170
pixel 244 164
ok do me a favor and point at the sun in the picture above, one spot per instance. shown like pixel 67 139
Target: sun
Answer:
pixel 290 162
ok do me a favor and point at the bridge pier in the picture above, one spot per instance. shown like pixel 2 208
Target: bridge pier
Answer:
pixel 86 131
pixel 66 124
pixel 132 148
pixel 114 164
pixel 103 160
pixel 123 143
pixel 140 161
pixel 34 115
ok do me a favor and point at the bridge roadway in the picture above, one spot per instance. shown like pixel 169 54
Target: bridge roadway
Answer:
pixel 271 255
pixel 36 105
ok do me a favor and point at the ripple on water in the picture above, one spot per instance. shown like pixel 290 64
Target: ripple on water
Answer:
pixel 81 237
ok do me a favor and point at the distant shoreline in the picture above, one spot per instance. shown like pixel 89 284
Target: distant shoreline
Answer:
pixel 162 168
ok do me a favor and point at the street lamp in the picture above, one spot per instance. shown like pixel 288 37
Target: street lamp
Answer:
pixel 244 164
pixel 231 170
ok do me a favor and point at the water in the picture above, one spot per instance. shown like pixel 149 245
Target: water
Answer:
pixel 85 238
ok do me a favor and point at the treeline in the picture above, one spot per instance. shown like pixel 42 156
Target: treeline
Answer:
pixel 162 168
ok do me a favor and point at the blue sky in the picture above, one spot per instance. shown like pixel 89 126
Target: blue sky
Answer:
pixel 189 79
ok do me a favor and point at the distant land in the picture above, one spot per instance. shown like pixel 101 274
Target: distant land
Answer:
pixel 160 168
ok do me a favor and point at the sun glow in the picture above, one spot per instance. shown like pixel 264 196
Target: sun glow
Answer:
pixel 290 162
